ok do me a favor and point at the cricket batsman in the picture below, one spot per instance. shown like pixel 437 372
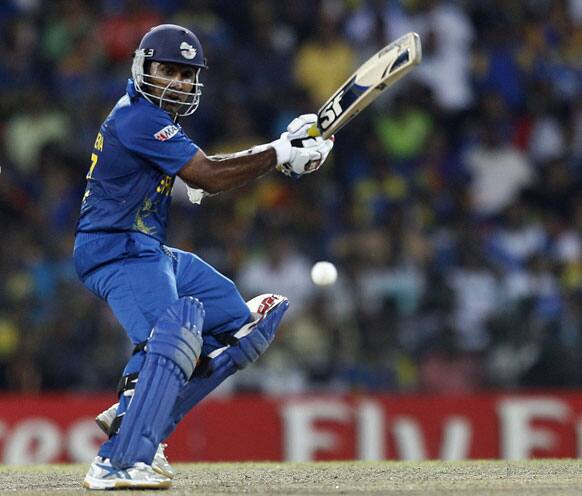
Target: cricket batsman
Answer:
pixel 188 323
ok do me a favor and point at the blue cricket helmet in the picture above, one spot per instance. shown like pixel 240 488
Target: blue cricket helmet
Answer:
pixel 169 43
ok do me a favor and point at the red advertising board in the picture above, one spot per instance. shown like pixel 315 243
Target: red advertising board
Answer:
pixel 53 428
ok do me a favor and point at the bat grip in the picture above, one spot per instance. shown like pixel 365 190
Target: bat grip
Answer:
pixel 312 132
pixel 316 131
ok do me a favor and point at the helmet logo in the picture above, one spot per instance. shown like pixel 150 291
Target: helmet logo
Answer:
pixel 187 50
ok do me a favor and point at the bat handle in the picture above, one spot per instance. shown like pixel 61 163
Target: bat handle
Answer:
pixel 313 131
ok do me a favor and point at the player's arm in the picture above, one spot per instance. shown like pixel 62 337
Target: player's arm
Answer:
pixel 221 173
pixel 295 152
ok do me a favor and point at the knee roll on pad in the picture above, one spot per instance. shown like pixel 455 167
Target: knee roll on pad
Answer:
pixel 247 350
pixel 177 334
pixel 172 351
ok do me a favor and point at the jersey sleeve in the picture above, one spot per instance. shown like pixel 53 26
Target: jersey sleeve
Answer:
pixel 156 138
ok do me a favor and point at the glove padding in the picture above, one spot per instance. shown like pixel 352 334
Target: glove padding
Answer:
pixel 307 158
pixel 308 149
pixel 304 126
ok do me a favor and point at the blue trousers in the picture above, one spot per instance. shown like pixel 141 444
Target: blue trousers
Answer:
pixel 139 278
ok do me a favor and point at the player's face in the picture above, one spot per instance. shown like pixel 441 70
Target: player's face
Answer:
pixel 173 81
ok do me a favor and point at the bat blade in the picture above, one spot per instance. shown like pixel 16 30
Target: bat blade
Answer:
pixel 379 72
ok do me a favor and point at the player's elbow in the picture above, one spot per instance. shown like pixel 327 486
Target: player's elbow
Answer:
pixel 200 172
pixel 208 184
pixel 211 186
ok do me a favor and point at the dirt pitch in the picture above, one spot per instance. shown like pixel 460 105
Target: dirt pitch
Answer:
pixel 471 478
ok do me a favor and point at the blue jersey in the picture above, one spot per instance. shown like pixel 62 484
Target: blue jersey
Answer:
pixel 136 156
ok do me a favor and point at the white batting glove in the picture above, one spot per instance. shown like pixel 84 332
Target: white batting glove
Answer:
pixel 309 151
pixel 297 130
pixel 308 158
pixel 299 127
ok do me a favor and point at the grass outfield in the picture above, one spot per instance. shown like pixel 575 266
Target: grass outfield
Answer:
pixel 471 478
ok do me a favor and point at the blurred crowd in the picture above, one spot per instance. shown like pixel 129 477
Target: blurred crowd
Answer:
pixel 452 207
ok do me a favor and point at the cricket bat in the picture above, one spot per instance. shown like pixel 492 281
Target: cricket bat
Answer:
pixel 377 74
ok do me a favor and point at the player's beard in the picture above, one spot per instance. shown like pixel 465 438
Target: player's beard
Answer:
pixel 172 107
pixel 167 99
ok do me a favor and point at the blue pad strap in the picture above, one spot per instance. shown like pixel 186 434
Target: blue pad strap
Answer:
pixel 253 343
pixel 171 354
pixel 134 365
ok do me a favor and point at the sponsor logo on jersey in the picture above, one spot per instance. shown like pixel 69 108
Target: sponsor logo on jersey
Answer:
pixel 187 50
pixel 167 133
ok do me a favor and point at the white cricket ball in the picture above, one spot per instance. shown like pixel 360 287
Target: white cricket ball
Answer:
pixel 323 273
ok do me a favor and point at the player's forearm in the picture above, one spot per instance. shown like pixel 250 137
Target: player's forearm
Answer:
pixel 230 172
pixel 222 173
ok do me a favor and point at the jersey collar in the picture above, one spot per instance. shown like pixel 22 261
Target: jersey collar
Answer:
pixel 131 91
